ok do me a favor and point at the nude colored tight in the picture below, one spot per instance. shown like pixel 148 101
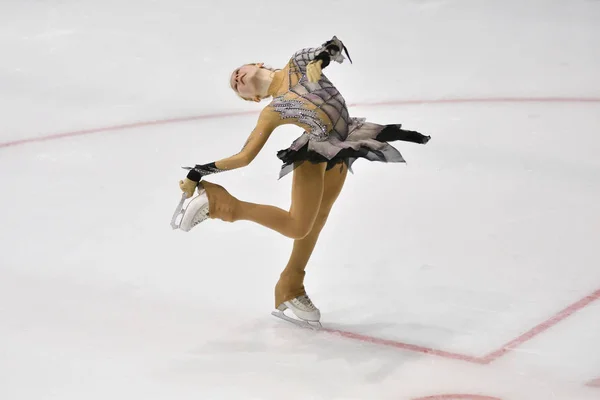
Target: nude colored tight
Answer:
pixel 314 191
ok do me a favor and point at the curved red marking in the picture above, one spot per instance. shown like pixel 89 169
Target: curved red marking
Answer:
pixel 594 383
pixel 140 124
pixel 366 104
pixel 485 100
pixel 458 397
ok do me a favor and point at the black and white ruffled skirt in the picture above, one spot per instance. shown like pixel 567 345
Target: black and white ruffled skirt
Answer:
pixel 366 140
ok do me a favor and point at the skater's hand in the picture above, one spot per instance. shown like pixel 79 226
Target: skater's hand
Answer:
pixel 188 186
pixel 313 70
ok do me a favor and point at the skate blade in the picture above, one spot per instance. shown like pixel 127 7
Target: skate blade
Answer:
pixel 315 326
pixel 180 211
pixel 178 214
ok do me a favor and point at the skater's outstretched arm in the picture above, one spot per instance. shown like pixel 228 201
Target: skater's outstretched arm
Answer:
pixel 267 122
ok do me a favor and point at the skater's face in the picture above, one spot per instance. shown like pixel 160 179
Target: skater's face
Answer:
pixel 244 81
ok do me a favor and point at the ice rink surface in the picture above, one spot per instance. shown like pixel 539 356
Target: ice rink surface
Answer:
pixel 471 272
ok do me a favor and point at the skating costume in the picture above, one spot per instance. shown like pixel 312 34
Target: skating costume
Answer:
pixel 330 134
pixel 330 137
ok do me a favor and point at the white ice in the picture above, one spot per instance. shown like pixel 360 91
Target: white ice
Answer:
pixel 488 231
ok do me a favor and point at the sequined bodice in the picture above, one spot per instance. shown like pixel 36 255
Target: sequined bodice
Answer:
pixel 319 105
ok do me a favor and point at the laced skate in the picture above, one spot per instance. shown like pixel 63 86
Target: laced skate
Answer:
pixel 195 212
pixel 304 309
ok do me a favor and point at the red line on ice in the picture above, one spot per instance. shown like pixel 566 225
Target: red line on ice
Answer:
pixel 594 383
pixel 364 104
pixel 405 346
pixel 491 357
pixel 544 326
pixel 140 124
pixel 420 349
pixel 458 397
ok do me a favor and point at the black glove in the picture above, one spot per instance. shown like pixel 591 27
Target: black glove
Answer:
pixel 200 171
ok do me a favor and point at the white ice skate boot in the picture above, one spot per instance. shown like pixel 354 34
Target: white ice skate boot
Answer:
pixel 195 212
pixel 304 309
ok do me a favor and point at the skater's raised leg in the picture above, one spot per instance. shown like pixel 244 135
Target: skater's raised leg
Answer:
pixel 307 191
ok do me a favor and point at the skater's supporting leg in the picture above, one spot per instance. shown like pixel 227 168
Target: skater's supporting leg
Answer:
pixel 291 282
pixel 307 191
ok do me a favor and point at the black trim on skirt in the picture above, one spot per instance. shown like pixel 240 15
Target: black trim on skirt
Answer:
pixel 389 133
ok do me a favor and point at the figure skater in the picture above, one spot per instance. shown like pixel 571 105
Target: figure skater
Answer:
pixel 319 158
